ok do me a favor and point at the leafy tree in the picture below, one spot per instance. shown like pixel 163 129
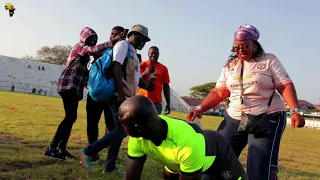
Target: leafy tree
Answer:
pixel 201 91
pixel 54 55
pixel 27 57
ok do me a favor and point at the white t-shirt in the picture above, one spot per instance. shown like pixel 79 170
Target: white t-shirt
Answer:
pixel 260 78
pixel 120 51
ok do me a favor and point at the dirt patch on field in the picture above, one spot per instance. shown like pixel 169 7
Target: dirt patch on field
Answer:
pixel 34 144
pixel 6 138
pixel 13 166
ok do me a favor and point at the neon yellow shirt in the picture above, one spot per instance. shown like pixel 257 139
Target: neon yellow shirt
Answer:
pixel 183 150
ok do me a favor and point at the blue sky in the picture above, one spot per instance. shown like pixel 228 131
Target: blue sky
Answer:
pixel 194 37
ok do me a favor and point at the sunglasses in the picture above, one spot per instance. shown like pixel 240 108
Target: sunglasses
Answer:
pixel 142 38
pixel 245 46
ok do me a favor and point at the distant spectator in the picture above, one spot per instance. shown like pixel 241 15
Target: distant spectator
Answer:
pixel 38 67
pixel 12 88
pixel 155 72
pixel 43 68
pixel 29 67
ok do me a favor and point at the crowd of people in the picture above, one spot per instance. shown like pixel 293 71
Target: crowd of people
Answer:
pixel 255 82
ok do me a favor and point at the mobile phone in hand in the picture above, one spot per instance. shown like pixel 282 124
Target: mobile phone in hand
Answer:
pixel 152 69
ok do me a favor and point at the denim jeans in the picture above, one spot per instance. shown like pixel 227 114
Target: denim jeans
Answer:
pixel 262 161
pixel 112 139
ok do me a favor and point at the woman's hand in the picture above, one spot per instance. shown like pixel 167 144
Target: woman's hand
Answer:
pixel 297 121
pixel 97 55
pixel 193 114
pixel 214 98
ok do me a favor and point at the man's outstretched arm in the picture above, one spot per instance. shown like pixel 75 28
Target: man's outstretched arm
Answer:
pixel 134 167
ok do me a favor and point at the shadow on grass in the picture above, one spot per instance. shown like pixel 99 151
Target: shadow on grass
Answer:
pixel 6 139
pixel 32 149
pixel 44 144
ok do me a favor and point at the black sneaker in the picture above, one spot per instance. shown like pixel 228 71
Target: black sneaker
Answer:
pixel 95 159
pixel 66 154
pixel 54 154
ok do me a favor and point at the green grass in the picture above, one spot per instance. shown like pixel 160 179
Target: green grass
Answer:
pixel 26 131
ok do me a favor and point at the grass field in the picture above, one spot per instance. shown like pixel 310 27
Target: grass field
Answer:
pixel 28 123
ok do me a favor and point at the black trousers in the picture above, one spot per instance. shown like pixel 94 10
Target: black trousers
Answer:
pixel 70 102
pixel 94 111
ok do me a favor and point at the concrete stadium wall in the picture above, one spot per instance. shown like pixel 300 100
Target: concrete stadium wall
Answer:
pixel 26 75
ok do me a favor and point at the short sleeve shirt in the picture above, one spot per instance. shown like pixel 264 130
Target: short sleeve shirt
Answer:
pixel 120 50
pixel 178 152
pixel 260 78
pixel 162 77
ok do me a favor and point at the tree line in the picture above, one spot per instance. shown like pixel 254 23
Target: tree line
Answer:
pixel 57 54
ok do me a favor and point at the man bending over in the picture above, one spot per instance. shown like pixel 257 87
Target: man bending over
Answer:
pixel 185 151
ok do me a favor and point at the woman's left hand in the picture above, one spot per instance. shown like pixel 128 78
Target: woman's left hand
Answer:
pixel 297 121
pixel 97 55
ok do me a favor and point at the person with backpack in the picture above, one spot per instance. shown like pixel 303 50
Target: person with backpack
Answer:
pixel 127 79
pixel 95 109
pixel 70 86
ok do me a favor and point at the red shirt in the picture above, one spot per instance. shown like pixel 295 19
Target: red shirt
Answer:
pixel 162 77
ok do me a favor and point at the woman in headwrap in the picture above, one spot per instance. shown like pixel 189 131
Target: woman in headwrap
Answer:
pixel 254 81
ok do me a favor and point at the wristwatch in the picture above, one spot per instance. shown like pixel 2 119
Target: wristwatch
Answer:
pixel 296 111
pixel 199 109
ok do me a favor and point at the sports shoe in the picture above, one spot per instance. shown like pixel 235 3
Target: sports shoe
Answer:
pixel 86 161
pixel 115 171
pixel 95 159
pixel 54 154
pixel 66 154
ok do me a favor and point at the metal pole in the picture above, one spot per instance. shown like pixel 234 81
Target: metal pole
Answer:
pixel 313 122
